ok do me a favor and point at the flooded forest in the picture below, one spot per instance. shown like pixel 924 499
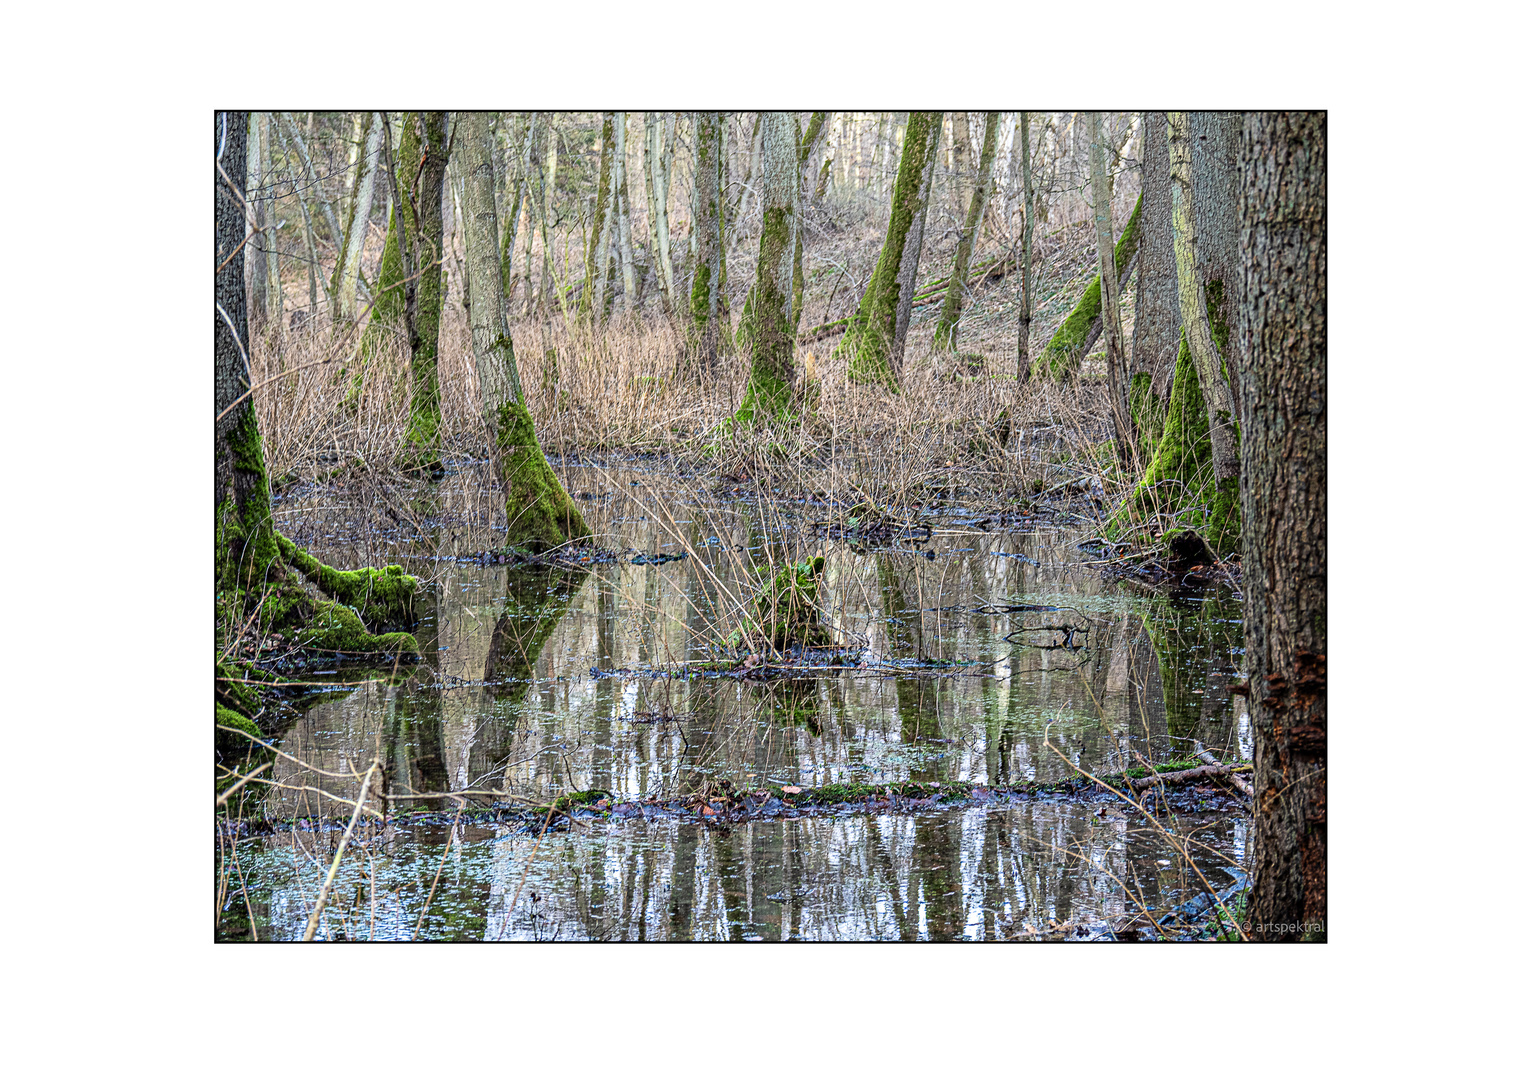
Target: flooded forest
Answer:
pixel 769 526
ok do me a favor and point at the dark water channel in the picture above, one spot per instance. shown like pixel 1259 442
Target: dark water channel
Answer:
pixel 1056 666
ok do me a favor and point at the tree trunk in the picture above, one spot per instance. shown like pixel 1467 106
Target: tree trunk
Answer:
pixel 631 298
pixel 1113 326
pixel 246 539
pixel 708 230
pixel 877 336
pixel 659 170
pixel 541 516
pixel 258 286
pixel 814 130
pixel 592 301
pixel 946 333
pixel 1215 141
pixel 347 274
pixel 959 125
pixel 512 221
pixel 1062 357
pixel 1026 309
pixel 772 374
pixel 1158 319
pixel 1193 300
pixel 275 302
pixel 422 162
pixel 1283 499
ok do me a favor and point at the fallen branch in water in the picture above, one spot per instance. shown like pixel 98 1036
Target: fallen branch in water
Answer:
pixel 1202 754
pixel 1186 776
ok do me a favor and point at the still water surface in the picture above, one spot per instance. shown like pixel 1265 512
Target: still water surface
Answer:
pixel 542 683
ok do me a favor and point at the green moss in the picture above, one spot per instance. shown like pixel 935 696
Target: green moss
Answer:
pixel 383 597
pixel 868 341
pixel 225 717
pixel 786 608
pixel 541 516
pixel 1061 359
pixel 1179 484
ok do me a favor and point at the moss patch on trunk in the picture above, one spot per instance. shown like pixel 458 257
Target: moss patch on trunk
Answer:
pixel 541 516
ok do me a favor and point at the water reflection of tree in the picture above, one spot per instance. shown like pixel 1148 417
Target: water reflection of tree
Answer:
pixel 1195 644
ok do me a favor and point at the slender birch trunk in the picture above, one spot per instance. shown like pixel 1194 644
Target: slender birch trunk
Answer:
pixel 347 274
pixel 541 516
pixel 592 302
pixel 1113 326
pixel 275 298
pixel 623 219
pixel 659 173
pixel 1026 310
pixel 1207 361
pixel 258 287
pixel 959 124
pixel 946 333
pixel 512 220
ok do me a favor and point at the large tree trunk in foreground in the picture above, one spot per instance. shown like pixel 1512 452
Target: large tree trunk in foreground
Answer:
pixel 946 333
pixel 1283 499
pixel 541 516
pixel 1113 327
pixel 772 373
pixel 246 545
pixel 250 558
pixel 877 336
pixel 708 230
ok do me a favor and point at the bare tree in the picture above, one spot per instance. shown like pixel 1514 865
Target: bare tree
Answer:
pixel 541 516
pixel 705 310
pixel 772 372
pixel 1113 326
pixel 946 332
pixel 877 336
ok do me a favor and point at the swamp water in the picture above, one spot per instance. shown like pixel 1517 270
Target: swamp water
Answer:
pixel 990 657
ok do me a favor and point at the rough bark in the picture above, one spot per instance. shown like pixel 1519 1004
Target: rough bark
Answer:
pixel 1113 327
pixel 1283 498
pixel 541 516
pixel 772 372
pixel 946 333
pixel 708 231
pixel 876 338
pixel 1192 297
pixel 1215 141
pixel 275 302
pixel 1158 319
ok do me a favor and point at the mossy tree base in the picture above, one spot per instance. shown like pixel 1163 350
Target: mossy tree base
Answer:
pixel 541 516
pixel 786 609
pixel 1179 486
